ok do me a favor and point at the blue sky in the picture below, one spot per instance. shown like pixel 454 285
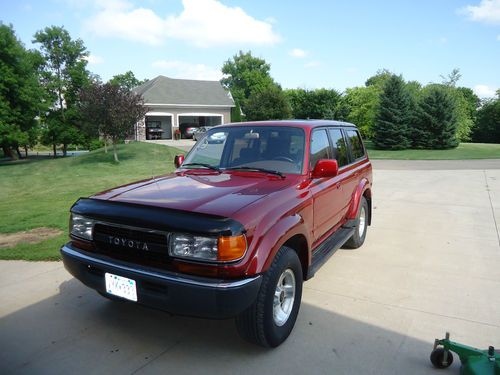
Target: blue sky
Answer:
pixel 333 44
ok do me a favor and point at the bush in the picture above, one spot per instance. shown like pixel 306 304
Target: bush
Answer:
pixel 94 144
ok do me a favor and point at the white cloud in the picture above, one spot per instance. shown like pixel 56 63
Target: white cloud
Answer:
pixel 94 60
pixel 498 37
pixel 351 70
pixel 484 91
pixel 488 11
pixel 203 23
pixel 297 52
pixel 181 69
pixel 312 64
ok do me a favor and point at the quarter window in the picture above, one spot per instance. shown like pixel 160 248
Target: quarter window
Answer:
pixel 339 147
pixel 357 148
pixel 320 147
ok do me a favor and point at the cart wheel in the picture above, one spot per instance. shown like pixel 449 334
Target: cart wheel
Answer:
pixel 437 357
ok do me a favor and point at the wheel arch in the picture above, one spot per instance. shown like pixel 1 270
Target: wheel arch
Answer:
pixel 362 190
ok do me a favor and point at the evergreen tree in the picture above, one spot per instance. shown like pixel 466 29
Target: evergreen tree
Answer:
pixel 390 130
pixel 436 126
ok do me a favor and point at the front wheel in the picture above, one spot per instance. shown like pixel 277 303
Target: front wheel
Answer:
pixel 358 238
pixel 270 319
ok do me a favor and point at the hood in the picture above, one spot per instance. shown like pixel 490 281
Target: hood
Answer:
pixel 209 193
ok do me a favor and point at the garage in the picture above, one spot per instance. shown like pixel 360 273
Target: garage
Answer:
pixel 175 105
pixel 196 120
pixel 158 125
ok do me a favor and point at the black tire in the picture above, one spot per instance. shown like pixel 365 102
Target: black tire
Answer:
pixel 257 323
pixel 357 240
pixel 437 357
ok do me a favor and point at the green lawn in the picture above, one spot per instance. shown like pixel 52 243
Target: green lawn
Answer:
pixel 39 193
pixel 462 152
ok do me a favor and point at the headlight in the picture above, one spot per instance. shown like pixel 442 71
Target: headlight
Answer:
pixel 81 227
pixel 223 249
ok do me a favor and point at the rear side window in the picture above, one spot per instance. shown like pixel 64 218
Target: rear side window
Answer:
pixel 339 147
pixel 357 148
pixel 320 146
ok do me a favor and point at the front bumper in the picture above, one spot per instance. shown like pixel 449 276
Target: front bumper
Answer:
pixel 176 293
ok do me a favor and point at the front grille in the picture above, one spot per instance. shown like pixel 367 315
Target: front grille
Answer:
pixel 137 246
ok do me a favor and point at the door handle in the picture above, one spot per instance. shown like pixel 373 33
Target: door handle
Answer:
pixel 338 185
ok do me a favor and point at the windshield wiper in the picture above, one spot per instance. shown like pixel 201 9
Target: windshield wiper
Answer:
pixel 208 166
pixel 256 169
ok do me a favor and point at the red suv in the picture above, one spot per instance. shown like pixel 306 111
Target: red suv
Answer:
pixel 251 212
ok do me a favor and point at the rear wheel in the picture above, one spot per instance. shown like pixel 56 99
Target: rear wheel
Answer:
pixel 270 319
pixel 358 238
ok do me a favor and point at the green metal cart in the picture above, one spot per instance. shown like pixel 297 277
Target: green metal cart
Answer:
pixel 474 361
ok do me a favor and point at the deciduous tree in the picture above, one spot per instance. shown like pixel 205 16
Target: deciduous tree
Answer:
pixel 126 80
pixel 268 104
pixel 63 75
pixel 113 109
pixel 313 104
pixel 21 96
pixel 244 75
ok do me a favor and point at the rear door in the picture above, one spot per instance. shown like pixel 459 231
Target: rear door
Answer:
pixel 357 155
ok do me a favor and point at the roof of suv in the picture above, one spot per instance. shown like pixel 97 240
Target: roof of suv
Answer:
pixel 298 123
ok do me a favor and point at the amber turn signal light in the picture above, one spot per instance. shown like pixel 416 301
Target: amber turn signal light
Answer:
pixel 231 248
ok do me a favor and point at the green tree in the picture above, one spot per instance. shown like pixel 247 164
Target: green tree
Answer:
pixel 362 104
pixel 244 75
pixel 126 80
pixel 114 109
pixel 313 104
pixel 488 122
pixel 268 104
pixel 436 124
pixel 379 79
pixel 64 74
pixel 391 126
pixel 21 96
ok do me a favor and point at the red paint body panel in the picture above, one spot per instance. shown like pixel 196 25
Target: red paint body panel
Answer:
pixel 271 209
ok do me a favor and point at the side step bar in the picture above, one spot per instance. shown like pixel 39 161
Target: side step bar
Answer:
pixel 329 246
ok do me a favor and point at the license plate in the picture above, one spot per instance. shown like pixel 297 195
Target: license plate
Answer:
pixel 121 287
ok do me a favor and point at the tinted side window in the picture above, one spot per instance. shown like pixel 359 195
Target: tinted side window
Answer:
pixel 355 141
pixel 320 147
pixel 339 147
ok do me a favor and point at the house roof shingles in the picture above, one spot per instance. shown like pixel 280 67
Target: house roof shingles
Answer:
pixel 164 90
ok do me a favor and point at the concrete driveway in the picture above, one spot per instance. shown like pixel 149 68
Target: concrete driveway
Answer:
pixel 430 265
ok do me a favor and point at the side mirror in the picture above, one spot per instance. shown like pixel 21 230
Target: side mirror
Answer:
pixel 178 160
pixel 325 168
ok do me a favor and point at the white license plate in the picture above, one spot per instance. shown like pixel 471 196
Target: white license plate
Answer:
pixel 121 287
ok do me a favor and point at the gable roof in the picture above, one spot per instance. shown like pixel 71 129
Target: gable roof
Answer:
pixel 164 90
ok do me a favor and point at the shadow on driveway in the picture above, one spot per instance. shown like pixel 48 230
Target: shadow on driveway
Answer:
pixel 77 331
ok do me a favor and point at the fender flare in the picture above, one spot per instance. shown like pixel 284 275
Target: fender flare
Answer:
pixel 363 188
pixel 271 241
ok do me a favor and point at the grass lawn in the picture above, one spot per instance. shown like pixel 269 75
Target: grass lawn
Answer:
pixel 462 152
pixel 39 192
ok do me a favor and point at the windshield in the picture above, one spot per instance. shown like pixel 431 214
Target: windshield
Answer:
pixel 275 148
